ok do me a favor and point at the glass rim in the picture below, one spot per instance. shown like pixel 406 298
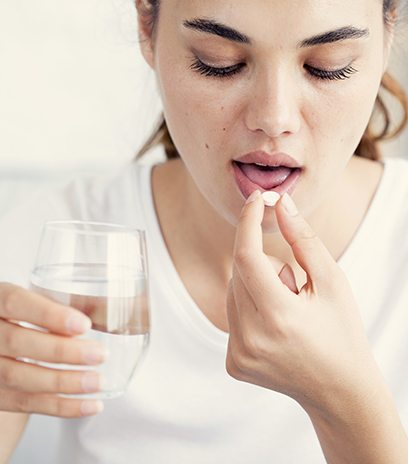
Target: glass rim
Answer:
pixel 111 228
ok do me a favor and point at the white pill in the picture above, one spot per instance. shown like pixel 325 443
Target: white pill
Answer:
pixel 270 198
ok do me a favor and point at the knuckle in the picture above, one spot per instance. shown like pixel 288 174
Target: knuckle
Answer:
pixel 60 351
pixel 306 240
pixel 22 403
pixel 12 295
pixel 64 408
pixel 243 256
pixel 251 345
pixel 232 367
pixel 60 408
pixel 11 340
pixel 60 383
pixel 7 376
pixel 239 360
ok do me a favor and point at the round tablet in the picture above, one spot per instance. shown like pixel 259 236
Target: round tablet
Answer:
pixel 270 198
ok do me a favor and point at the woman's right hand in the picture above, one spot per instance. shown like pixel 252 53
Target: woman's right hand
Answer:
pixel 30 388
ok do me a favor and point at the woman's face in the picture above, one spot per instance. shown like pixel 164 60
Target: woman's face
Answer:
pixel 289 87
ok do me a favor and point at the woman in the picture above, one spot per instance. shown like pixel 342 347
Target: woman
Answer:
pixel 312 309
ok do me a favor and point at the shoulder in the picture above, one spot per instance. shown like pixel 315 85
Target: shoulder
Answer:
pixel 117 197
pixel 397 171
pixel 393 202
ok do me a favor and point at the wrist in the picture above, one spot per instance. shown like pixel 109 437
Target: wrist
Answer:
pixel 360 427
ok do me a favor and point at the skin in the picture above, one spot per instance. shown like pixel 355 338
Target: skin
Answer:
pixel 274 105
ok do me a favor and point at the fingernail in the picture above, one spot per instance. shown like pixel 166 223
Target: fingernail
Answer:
pixel 254 196
pixel 270 198
pixel 77 323
pixel 89 408
pixel 91 382
pixel 94 354
pixel 289 205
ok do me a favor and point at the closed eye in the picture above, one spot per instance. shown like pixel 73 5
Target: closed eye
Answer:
pixel 229 71
pixel 211 71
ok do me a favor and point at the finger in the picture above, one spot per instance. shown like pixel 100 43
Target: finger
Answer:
pixel 21 342
pixel 21 376
pixel 234 341
pixel 287 276
pixel 19 304
pixel 241 314
pixel 50 405
pixel 232 313
pixel 251 320
pixel 309 251
pixel 230 365
pixel 251 261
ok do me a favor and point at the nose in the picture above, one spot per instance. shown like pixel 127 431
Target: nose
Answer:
pixel 273 105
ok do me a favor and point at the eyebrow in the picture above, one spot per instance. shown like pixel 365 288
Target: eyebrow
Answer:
pixel 338 35
pixel 213 27
pixel 210 26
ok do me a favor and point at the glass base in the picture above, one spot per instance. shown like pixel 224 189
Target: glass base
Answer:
pixel 102 395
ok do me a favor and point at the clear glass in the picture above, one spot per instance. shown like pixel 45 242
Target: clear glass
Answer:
pixel 101 270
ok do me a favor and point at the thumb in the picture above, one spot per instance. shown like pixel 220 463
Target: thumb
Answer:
pixel 287 277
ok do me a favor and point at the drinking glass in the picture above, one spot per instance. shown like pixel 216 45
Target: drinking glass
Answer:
pixel 101 270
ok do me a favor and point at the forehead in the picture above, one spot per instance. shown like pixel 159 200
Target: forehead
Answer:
pixel 289 21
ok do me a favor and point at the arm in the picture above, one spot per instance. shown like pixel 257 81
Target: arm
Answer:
pixel 12 426
pixel 361 430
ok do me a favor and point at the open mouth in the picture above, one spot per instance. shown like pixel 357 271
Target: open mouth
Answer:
pixel 252 176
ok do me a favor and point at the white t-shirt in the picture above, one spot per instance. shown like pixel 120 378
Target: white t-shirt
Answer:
pixel 182 407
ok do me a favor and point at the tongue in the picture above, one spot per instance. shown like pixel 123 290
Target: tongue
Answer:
pixel 264 177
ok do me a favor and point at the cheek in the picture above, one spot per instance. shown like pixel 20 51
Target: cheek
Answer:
pixel 194 113
pixel 341 116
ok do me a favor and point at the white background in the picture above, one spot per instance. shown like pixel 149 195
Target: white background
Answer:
pixel 74 89
pixel 76 96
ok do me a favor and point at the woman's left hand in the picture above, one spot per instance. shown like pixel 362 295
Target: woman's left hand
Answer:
pixel 308 344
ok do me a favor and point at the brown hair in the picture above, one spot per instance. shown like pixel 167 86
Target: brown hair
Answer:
pixel 368 147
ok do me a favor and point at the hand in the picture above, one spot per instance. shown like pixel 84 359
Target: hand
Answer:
pixel 31 388
pixel 308 344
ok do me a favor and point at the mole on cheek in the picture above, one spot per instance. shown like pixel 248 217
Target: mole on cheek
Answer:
pixel 206 146
pixel 224 129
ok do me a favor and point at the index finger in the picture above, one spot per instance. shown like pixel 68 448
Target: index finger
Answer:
pixel 249 256
pixel 19 304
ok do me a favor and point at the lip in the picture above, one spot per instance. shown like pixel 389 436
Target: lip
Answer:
pixel 275 159
pixel 246 186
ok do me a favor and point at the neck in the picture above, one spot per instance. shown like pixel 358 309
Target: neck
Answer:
pixel 197 236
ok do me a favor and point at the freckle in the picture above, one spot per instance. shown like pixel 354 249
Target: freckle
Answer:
pixel 222 108
pixel 224 129
pixel 206 146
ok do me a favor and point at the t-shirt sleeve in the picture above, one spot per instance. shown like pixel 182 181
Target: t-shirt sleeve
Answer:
pixel 20 232
pixel 111 198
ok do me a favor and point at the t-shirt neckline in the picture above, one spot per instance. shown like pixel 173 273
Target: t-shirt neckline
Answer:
pixel 187 307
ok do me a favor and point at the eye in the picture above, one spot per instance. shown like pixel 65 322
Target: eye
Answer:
pixel 211 71
pixel 338 74
pixel 229 71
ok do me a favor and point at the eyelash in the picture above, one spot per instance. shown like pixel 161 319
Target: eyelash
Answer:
pixel 229 71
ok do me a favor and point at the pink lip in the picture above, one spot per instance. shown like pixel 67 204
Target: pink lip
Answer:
pixel 246 186
pixel 276 159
